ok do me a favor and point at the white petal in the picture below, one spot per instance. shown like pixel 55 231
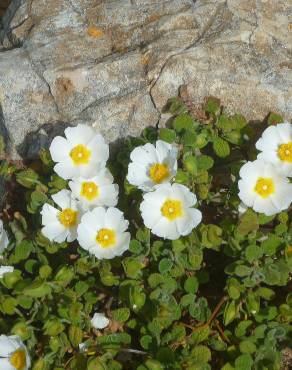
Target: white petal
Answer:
pixel 59 149
pixel 66 170
pixel 270 139
pixel 86 237
pixel 55 232
pixel 5 364
pixel 191 219
pixel 49 214
pixel 166 229
pixel 114 219
pixel 246 193
pixel 285 131
pixel 7 346
pixel 81 134
pixel 151 214
pixel 4 241
pixel 264 205
pixel 137 174
pixel 183 193
pixel 63 198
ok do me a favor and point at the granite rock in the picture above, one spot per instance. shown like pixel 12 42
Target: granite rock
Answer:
pixel 114 63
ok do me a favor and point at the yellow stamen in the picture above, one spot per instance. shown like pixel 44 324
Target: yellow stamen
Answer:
pixel 264 187
pixel 172 209
pixel 285 152
pixel 106 238
pixel 18 359
pixel 89 190
pixel 80 155
pixel 158 172
pixel 68 217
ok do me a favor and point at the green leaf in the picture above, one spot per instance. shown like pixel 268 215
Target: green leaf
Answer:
pixel 204 162
pixel 75 335
pixel 229 313
pixel 167 135
pixel 53 327
pixel 221 147
pixel 248 223
pixel 275 118
pixel 37 289
pixel 165 265
pixel 247 346
pixel 114 338
pixel 146 341
pixel 191 284
pixel 243 362
pixel 265 293
pixel 174 106
pixel 27 178
pixel 212 105
pixel 133 267
pixel 121 314
pixel 183 122
pixel 201 354
pixel 190 164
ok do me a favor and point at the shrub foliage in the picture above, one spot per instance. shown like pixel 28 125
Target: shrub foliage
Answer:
pixel 215 299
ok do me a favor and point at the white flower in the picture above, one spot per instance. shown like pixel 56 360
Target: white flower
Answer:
pixel 60 225
pixel 168 211
pixel 263 188
pixel 5 269
pixel 99 321
pixel 102 232
pixel 152 165
pixel 13 353
pixel 95 191
pixel 82 153
pixel 3 238
pixel 276 147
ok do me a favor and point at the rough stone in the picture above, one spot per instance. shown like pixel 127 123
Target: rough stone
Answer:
pixel 114 63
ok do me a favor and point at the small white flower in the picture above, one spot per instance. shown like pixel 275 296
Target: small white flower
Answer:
pixel 99 321
pixel 102 232
pixel 13 353
pixel 276 147
pixel 168 211
pixel 152 165
pixel 3 238
pixel 82 153
pixel 5 269
pixel 95 191
pixel 263 188
pixel 61 225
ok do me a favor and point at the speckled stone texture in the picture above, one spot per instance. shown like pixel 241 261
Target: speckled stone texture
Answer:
pixel 114 63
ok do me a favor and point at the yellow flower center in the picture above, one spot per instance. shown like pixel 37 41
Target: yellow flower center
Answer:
pixel 18 359
pixel 172 209
pixel 80 155
pixel 264 187
pixel 89 190
pixel 68 217
pixel 158 172
pixel 285 152
pixel 106 238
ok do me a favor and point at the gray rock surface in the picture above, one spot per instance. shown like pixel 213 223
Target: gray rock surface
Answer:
pixel 114 63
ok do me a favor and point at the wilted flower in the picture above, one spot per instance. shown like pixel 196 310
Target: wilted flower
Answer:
pixel 13 353
pixel 168 211
pixel 152 165
pixel 82 153
pixel 61 225
pixel 95 191
pixel 102 232
pixel 263 188
pixel 276 147
pixel 3 238
pixel 99 321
